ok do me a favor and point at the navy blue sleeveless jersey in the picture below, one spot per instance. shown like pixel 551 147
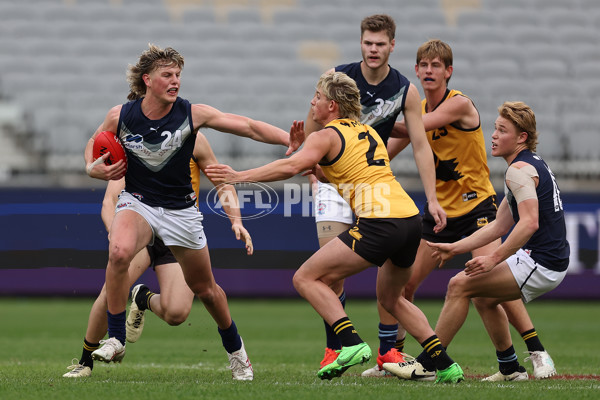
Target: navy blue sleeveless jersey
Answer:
pixel 548 246
pixel 381 104
pixel 158 154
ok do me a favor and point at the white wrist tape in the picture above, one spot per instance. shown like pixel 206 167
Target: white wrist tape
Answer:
pixel 91 166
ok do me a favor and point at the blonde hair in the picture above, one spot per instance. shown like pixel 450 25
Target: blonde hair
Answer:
pixel 523 118
pixel 342 89
pixel 378 23
pixel 435 48
pixel 152 58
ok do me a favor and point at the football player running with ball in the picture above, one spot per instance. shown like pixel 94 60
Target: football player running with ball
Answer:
pixel 174 302
pixel 158 129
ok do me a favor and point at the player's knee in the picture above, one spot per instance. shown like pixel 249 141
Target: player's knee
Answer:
pixel 299 281
pixel 120 257
pixel 206 294
pixel 176 317
pixel 457 286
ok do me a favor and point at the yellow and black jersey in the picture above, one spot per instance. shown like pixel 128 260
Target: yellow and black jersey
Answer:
pixel 462 174
pixel 362 175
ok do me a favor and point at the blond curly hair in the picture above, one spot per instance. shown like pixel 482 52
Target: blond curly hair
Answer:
pixel 152 58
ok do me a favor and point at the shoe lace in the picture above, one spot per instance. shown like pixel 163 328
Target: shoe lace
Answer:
pixel 137 321
pixel 238 365
pixel 407 360
pixel 75 366
pixel 406 363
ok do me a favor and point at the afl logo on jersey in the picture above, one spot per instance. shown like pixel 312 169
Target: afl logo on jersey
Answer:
pixel 481 222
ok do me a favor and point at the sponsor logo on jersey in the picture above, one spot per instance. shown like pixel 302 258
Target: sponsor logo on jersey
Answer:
pixel 123 204
pixel 469 196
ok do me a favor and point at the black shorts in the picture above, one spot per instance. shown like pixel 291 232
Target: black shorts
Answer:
pixel 377 239
pixel 460 227
pixel 160 254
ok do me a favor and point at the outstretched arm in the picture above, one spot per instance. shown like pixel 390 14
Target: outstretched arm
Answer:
pixel 492 231
pixel 210 117
pixel 205 156
pixel 316 147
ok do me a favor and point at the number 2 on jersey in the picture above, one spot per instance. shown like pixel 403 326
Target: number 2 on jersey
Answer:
pixel 371 152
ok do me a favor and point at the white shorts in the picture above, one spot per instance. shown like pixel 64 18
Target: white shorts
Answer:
pixel 174 227
pixel 533 279
pixel 330 206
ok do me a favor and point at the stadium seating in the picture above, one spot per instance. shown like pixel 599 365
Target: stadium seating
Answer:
pixel 64 62
pixel 509 17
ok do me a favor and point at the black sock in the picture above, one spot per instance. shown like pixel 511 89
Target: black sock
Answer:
pixel 508 361
pixel 230 338
pixel 426 361
pixel 345 331
pixel 436 353
pixel 532 341
pixel 86 354
pixel 142 298
pixel 332 340
pixel 400 344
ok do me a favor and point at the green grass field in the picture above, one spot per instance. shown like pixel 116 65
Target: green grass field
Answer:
pixel 285 341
